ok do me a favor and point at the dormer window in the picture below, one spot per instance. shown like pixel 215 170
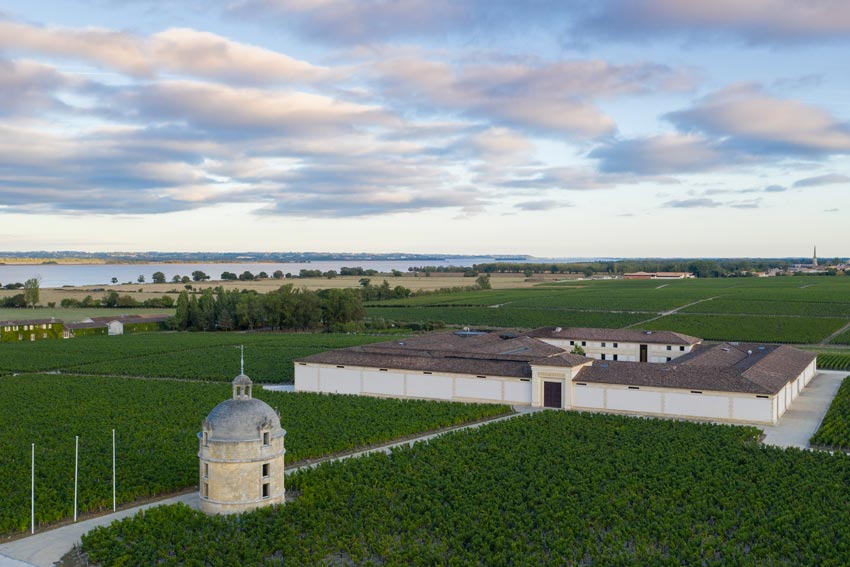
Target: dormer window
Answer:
pixel 266 439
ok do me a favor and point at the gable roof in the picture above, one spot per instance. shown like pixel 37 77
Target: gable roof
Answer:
pixel 614 335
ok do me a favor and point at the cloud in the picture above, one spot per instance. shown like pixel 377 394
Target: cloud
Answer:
pixel 831 210
pixel 739 125
pixel 246 112
pixel 696 203
pixel 375 21
pixel 756 21
pixel 542 205
pixel 553 98
pixel 666 153
pixel 753 122
pixel 775 189
pixel 178 50
pixel 27 86
pixel 828 179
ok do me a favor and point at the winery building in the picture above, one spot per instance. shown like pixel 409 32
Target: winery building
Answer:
pixel 656 373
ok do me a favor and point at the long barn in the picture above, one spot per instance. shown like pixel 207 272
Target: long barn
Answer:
pixel 638 372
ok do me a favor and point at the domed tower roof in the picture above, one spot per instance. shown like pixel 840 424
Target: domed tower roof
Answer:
pixel 241 419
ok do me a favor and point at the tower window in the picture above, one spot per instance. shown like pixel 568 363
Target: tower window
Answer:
pixel 265 490
pixel 266 467
pixel 266 438
pixel 206 490
pixel 206 438
pixel 206 470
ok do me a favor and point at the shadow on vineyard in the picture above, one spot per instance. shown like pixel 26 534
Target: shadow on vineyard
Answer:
pixel 552 488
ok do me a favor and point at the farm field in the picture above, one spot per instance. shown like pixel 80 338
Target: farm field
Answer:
pixel 551 488
pixel 834 361
pixel 769 329
pixel 73 315
pixel 834 432
pixel 156 426
pixel 196 356
pixel 783 309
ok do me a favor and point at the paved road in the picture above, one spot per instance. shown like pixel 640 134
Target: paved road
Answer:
pixel 801 421
pixel 45 548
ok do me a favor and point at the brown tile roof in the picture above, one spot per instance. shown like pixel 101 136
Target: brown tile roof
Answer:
pixel 614 335
pixel 744 368
pixel 31 322
pixel 92 325
pixel 129 319
pixel 486 354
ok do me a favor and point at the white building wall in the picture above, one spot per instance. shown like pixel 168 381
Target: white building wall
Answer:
pixel 589 396
pixel 306 378
pixel 620 398
pixel 752 409
pixel 383 383
pixel 478 389
pixel 698 405
pixel 430 386
pixel 340 381
pixel 518 392
pixel 624 351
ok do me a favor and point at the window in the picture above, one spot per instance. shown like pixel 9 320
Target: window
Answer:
pixel 206 470
pixel 572 343
pixel 615 357
pixel 206 438
pixel 603 345
pixel 340 366
pixel 580 384
pixel 696 392
pixel 206 490
pixel 603 356
pixel 764 397
pixel 302 364
pixel 615 345
pixel 583 343
pixel 480 376
pixel 669 347
pixel 681 348
pixel 634 388
pixel 382 369
pixel 266 467
pixel 426 372
pixel 265 490
pixel 266 438
pixel 669 359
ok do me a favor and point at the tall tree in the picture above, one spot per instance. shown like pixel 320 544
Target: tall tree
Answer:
pixel 158 277
pixel 31 292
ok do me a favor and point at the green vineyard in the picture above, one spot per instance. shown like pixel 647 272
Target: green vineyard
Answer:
pixel 830 361
pixel 551 488
pixel 834 432
pixel 156 425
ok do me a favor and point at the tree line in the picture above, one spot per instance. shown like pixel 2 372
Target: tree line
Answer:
pixel 220 309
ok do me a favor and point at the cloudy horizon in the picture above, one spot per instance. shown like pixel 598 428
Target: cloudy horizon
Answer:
pixel 585 129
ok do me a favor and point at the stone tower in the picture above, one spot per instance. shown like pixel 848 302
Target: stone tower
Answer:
pixel 241 454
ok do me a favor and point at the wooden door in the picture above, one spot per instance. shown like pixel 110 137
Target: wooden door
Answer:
pixel 552 394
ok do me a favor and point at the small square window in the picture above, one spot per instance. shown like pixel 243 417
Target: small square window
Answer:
pixel 583 343
pixel 681 348
pixel 615 345
pixel 572 343
pixel 669 347
pixel 615 357
pixel 669 359
pixel 266 492
pixel 603 345
pixel 266 467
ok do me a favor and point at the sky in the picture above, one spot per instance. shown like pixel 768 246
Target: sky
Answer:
pixel 598 128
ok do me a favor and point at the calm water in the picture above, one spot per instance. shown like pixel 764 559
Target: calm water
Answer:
pixel 53 275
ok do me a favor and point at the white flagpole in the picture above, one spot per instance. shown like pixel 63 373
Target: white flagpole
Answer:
pixel 32 493
pixel 76 471
pixel 113 470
